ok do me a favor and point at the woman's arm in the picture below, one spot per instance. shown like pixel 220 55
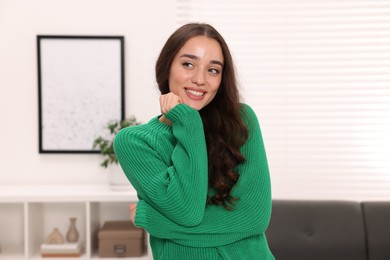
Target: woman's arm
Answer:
pixel 250 214
pixel 177 187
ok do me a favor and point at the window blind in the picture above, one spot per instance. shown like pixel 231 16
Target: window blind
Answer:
pixel 317 73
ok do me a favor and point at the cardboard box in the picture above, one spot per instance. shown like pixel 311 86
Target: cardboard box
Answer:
pixel 120 239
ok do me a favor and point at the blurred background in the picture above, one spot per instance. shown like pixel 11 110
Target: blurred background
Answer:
pixel 316 72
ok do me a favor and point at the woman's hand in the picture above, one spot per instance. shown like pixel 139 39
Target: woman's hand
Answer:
pixel 133 209
pixel 167 102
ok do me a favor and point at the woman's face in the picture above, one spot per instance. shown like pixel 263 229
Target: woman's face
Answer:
pixel 196 72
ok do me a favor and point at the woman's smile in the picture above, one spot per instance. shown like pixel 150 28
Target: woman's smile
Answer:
pixel 195 94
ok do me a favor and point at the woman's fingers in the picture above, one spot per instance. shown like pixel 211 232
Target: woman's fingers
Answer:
pixel 168 101
pixel 133 210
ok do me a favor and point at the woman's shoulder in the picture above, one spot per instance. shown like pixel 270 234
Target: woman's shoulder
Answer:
pixel 126 135
pixel 247 112
pixel 143 131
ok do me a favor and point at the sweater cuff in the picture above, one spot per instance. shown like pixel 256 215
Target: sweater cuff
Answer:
pixel 141 214
pixel 181 112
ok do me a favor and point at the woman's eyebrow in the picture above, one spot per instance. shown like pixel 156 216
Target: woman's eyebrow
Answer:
pixel 194 57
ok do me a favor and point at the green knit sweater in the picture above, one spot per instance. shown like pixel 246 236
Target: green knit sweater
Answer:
pixel 167 165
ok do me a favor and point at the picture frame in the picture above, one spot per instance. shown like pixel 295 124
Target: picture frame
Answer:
pixel 80 89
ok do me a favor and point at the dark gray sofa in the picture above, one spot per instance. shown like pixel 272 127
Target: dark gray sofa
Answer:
pixel 329 230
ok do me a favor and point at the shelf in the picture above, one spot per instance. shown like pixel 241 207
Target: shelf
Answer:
pixel 145 257
pixel 29 213
pixel 69 193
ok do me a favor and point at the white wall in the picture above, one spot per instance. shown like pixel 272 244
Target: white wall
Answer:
pixel 145 25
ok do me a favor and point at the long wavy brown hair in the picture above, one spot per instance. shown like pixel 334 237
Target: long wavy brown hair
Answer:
pixel 224 129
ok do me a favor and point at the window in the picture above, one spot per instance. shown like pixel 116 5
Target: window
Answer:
pixel 317 73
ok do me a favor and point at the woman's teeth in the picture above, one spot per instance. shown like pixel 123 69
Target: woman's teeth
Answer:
pixel 195 93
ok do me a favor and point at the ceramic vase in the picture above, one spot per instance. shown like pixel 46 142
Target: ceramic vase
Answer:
pixel 55 237
pixel 73 234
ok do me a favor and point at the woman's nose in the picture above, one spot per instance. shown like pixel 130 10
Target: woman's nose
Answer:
pixel 198 77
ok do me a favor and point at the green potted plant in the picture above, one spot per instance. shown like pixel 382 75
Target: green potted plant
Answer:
pixel 106 148
pixel 105 144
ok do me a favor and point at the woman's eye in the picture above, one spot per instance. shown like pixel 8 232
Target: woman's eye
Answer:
pixel 188 64
pixel 214 71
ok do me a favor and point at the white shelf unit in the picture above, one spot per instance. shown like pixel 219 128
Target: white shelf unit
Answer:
pixel 28 214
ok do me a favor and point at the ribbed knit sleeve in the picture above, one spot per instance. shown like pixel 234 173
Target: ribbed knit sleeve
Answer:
pixel 251 213
pixel 167 165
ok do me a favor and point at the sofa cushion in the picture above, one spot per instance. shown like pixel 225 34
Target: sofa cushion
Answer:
pixel 377 220
pixel 316 230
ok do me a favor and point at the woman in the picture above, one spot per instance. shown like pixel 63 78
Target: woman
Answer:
pixel 200 168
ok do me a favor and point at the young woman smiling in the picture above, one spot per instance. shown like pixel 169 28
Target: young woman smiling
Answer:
pixel 199 168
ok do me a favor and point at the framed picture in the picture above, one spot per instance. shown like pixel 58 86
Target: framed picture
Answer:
pixel 80 89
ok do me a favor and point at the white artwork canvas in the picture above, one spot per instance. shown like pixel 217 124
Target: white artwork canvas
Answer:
pixel 81 88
